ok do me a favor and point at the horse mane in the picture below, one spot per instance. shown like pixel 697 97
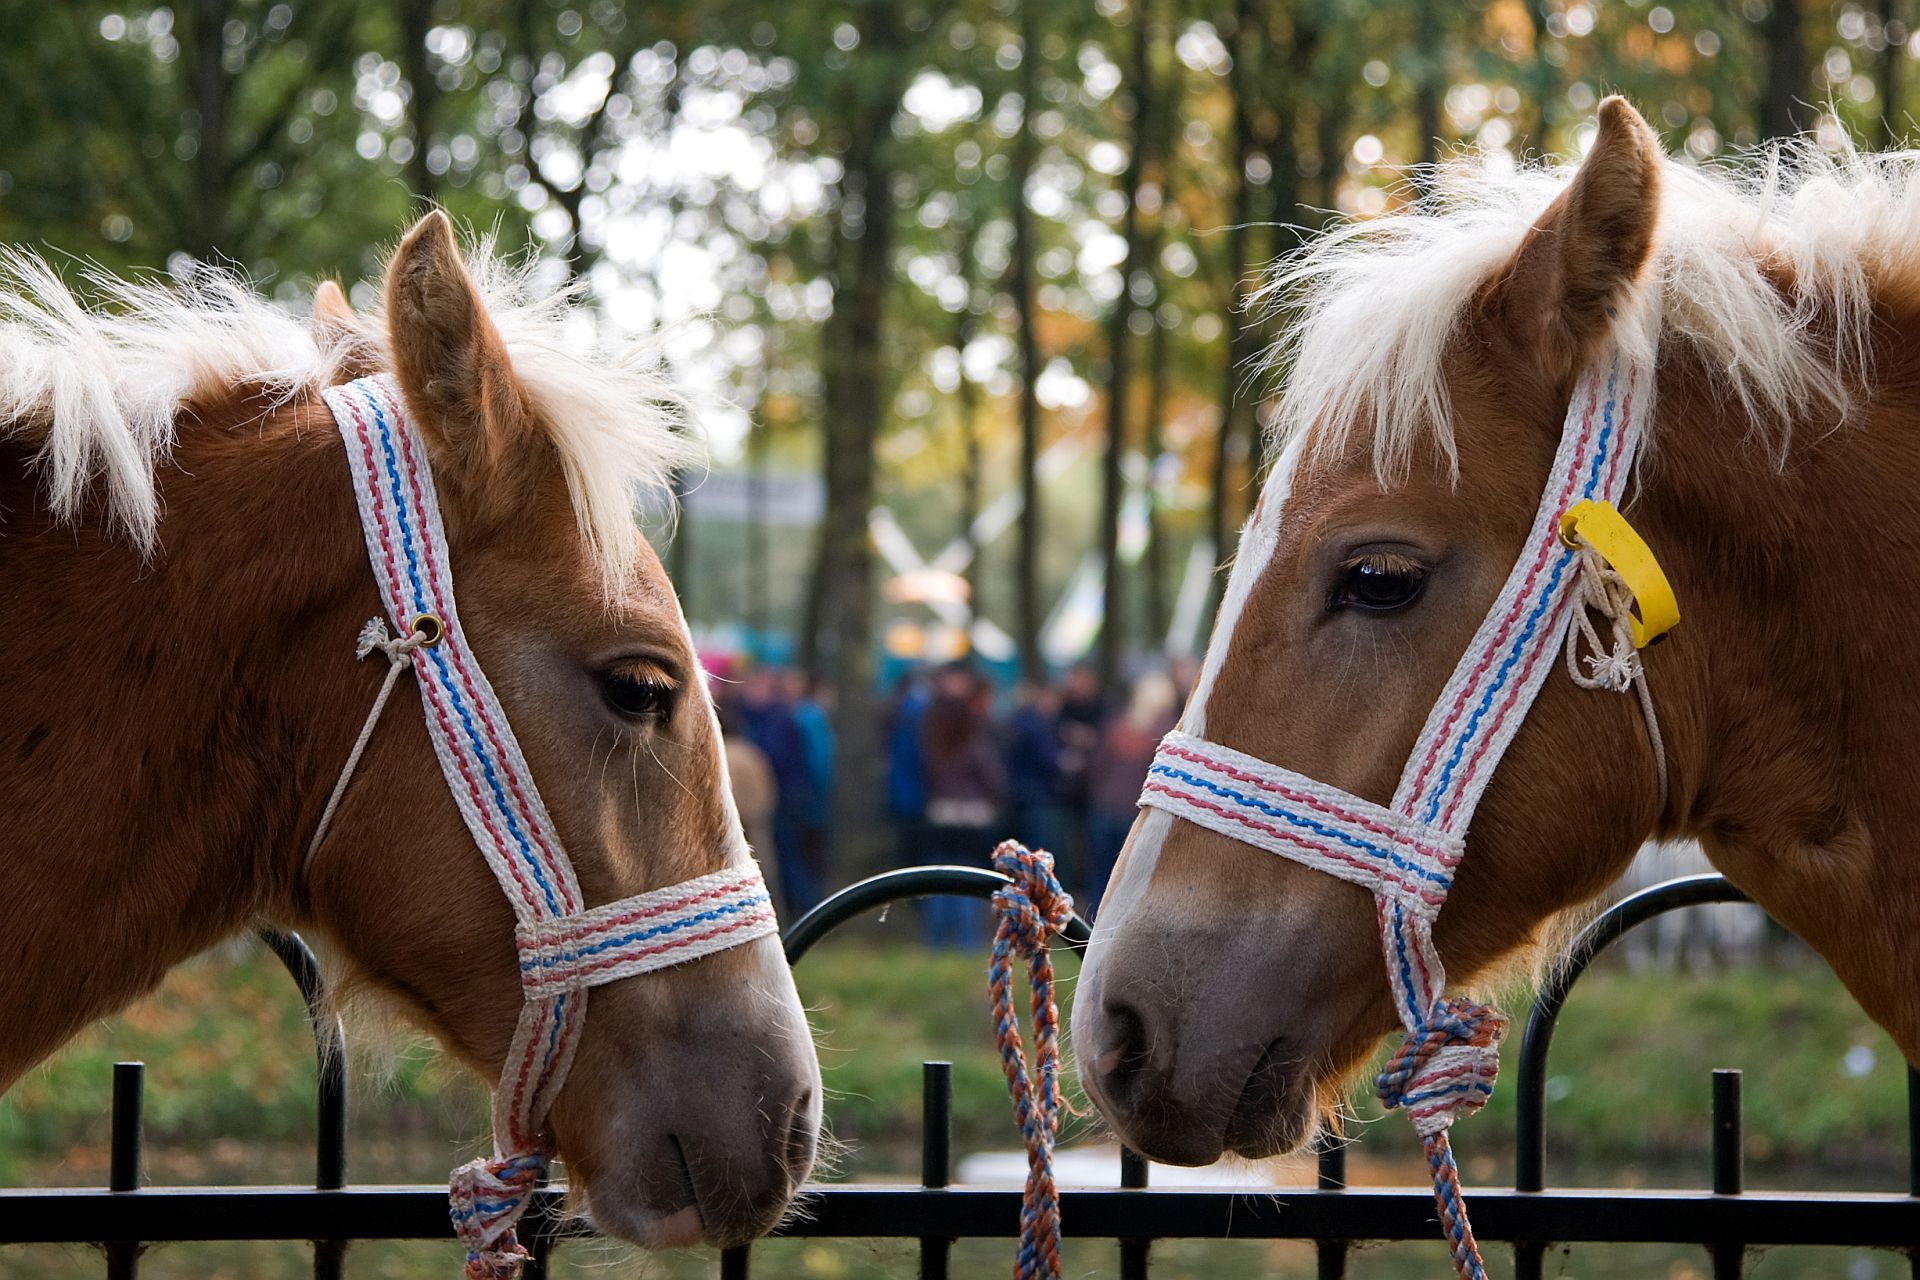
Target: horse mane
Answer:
pixel 1768 266
pixel 98 383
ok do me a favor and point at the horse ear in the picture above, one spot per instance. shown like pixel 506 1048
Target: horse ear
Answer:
pixel 447 355
pixel 1556 296
pixel 338 332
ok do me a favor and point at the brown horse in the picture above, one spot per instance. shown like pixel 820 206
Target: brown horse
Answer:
pixel 183 576
pixel 1229 993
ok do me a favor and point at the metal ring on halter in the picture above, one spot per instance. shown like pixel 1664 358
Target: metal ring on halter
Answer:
pixel 429 628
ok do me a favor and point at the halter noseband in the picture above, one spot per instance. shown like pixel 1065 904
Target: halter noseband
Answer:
pixel 1406 852
pixel 564 946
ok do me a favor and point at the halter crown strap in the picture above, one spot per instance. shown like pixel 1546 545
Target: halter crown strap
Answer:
pixel 564 947
pixel 1406 852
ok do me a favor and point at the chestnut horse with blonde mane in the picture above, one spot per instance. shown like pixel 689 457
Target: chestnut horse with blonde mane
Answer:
pixel 183 573
pixel 1430 355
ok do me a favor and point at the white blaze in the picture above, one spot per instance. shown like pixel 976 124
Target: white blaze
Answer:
pixel 1257 542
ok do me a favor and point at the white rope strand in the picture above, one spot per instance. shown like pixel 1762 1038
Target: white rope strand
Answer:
pixel 399 657
pixel 1617 666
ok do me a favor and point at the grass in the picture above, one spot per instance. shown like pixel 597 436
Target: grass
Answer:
pixel 230 1100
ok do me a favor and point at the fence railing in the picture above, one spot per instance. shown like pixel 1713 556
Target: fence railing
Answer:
pixel 1725 1220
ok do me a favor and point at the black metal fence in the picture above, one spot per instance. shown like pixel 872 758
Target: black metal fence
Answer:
pixel 1724 1220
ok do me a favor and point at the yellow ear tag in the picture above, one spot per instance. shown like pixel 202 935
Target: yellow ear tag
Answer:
pixel 1601 526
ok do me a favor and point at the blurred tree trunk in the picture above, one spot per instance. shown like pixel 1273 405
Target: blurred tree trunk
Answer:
pixel 1029 613
pixel 1786 69
pixel 1301 39
pixel 1160 167
pixel 758 611
pixel 203 47
pixel 1886 73
pixel 966 323
pixel 1546 83
pixel 1113 477
pixel 839 640
pixel 1234 415
pixel 680 546
pixel 1329 144
pixel 1158 608
pixel 1429 83
pixel 423 94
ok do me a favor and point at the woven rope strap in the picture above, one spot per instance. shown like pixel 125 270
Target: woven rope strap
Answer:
pixel 564 947
pixel 639 935
pixel 1030 909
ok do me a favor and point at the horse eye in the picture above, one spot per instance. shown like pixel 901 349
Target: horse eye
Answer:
pixel 637 697
pixel 1378 583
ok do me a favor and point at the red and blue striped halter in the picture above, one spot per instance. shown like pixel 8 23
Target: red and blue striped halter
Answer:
pixel 1406 852
pixel 564 946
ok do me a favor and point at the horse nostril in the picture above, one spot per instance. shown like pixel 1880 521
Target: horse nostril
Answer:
pixel 1122 1065
pixel 797 1143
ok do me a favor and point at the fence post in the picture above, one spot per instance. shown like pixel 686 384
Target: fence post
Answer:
pixel 936 1156
pixel 1729 1177
pixel 1134 1173
pixel 123 1173
pixel 1331 1155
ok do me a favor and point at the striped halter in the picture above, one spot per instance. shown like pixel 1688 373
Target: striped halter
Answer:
pixel 1406 852
pixel 564 947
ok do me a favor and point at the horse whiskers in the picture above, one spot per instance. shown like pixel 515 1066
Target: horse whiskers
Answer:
pixel 648 742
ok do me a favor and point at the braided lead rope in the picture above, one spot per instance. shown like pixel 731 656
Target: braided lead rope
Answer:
pixel 1617 667
pixel 1030 908
pixel 1441 1072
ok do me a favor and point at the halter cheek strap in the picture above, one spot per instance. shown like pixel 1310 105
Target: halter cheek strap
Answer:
pixel 564 947
pixel 1406 852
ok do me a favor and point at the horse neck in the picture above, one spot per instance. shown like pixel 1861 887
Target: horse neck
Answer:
pixel 1790 693
pixel 167 741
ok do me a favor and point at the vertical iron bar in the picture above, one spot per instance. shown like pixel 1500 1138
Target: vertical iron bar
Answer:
pixel 1913 1136
pixel 1134 1172
pixel 1330 1152
pixel 936 1157
pixel 1913 1153
pixel 734 1263
pixel 129 1082
pixel 123 1172
pixel 330 1095
pixel 330 1140
pixel 1729 1256
pixel 1728 1176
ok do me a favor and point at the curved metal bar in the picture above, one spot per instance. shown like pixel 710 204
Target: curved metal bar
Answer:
pixel 330 1052
pixel 1530 1113
pixel 908 882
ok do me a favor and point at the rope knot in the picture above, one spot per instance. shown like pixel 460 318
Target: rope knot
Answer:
pixel 1034 905
pixel 1613 664
pixel 374 635
pixel 487 1198
pixel 1446 1067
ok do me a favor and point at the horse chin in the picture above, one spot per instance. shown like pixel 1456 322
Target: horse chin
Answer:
pixel 684 1194
pixel 622 1218
pixel 1278 1111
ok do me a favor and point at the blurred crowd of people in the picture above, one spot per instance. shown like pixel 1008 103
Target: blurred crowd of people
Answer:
pixel 1057 768
pixel 778 730
pixel 1054 765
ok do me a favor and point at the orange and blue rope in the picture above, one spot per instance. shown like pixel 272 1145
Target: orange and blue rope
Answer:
pixel 1030 908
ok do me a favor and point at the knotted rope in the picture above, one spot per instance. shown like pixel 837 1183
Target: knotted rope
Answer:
pixel 1614 666
pixel 487 1197
pixel 1030 909
pixel 1442 1071
pixel 374 635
